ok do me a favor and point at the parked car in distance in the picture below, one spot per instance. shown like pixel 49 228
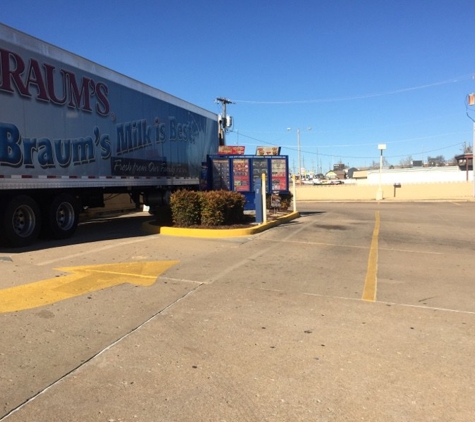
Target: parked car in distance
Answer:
pixel 327 182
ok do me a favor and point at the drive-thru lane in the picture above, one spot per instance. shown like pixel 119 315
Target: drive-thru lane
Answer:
pixel 269 327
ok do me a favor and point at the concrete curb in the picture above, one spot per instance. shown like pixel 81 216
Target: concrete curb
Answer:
pixel 218 233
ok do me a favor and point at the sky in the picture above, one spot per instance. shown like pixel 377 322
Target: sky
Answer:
pixel 341 76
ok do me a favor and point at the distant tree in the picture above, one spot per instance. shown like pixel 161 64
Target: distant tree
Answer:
pixel 375 164
pixel 466 149
pixel 406 162
pixel 436 161
pixel 451 162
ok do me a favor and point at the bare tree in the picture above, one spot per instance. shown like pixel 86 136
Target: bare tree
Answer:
pixel 375 164
pixel 436 161
pixel 406 162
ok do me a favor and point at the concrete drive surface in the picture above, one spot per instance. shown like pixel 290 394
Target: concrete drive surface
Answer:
pixel 270 327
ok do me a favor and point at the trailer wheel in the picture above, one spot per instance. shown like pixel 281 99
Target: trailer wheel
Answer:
pixel 61 217
pixel 21 221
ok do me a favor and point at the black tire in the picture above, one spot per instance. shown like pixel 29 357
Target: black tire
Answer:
pixel 21 221
pixel 61 217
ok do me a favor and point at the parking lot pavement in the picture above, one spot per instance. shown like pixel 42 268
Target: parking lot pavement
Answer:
pixel 271 327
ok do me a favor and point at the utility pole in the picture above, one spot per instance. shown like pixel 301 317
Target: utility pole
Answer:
pixel 298 156
pixel 224 117
pixel 471 102
pixel 299 172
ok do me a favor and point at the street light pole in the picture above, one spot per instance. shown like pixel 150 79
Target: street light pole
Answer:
pixel 298 157
pixel 299 161
pixel 471 102
pixel 379 194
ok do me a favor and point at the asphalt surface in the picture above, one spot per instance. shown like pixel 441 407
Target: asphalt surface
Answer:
pixel 267 327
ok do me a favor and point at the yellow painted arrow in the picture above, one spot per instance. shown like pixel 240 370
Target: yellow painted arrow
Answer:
pixel 81 280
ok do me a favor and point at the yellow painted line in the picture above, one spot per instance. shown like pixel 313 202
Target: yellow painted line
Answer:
pixel 80 281
pixel 370 285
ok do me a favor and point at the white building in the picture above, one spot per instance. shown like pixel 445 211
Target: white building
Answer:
pixel 413 175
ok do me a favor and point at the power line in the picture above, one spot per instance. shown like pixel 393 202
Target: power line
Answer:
pixel 358 97
pixel 306 151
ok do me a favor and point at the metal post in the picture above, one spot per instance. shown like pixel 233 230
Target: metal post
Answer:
pixel 298 156
pixel 380 167
pixel 295 193
pixel 379 194
pixel 299 163
pixel 264 202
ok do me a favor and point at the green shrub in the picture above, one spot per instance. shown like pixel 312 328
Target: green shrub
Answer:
pixel 221 208
pixel 213 208
pixel 234 207
pixel 186 208
pixel 285 201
